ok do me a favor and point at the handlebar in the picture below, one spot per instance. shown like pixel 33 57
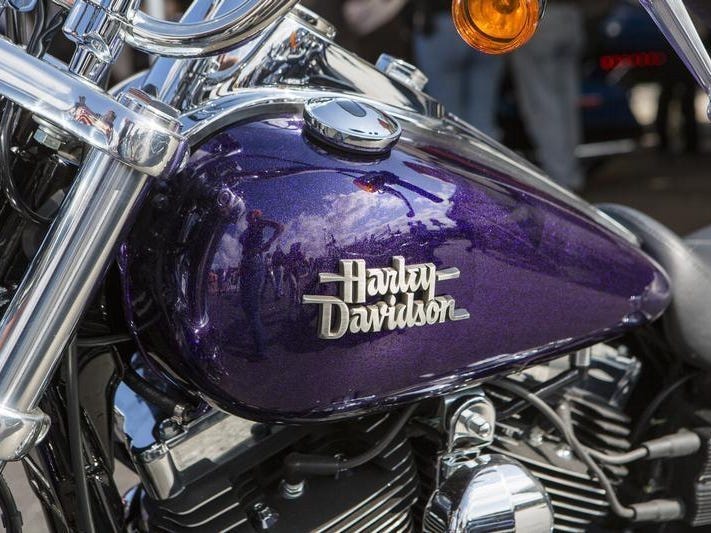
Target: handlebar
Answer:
pixel 197 39
pixel 210 37
pixel 673 19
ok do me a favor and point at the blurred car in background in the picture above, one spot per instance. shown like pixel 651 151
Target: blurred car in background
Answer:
pixel 624 49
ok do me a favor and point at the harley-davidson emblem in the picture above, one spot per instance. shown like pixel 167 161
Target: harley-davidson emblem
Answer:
pixel 407 298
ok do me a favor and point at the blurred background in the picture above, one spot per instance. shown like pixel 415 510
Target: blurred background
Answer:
pixel 597 98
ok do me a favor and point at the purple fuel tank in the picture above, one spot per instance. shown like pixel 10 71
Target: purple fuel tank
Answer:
pixel 217 268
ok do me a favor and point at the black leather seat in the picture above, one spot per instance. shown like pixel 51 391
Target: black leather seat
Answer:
pixel 700 242
pixel 688 263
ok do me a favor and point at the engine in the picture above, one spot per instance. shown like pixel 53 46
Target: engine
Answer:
pixel 484 457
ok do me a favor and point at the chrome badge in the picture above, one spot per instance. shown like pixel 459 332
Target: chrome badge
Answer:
pixel 407 298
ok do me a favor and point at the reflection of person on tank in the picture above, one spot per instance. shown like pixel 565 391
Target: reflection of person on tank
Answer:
pixel 254 245
pixel 270 279
pixel 278 261
pixel 294 265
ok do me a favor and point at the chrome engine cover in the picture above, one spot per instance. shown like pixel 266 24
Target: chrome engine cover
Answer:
pixel 489 493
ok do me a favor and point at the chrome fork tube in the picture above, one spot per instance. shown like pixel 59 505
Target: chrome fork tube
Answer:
pixel 61 279
pixel 673 19
pixel 57 288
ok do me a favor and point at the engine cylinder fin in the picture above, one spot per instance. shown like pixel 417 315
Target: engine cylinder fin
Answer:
pixel 564 494
pixel 560 504
pixel 578 500
pixel 433 524
pixel 367 515
pixel 376 497
pixel 572 519
pixel 569 529
pixel 567 484
pixel 594 403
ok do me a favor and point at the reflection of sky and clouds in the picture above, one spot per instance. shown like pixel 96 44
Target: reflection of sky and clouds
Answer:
pixel 337 208
pixel 345 217
pixel 320 202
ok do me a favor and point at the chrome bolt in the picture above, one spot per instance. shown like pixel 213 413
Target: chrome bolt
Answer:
pixel 265 516
pixel 478 425
pixel 49 135
pixel 564 452
pixel 168 429
pixel 292 491
pixel 47 139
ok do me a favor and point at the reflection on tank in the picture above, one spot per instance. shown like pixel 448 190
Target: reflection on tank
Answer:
pixel 255 242
pixel 385 183
pixel 227 281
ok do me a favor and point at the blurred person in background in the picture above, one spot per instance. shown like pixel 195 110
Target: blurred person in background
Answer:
pixel 548 81
pixel 467 82
pixel 369 27
pixel 678 86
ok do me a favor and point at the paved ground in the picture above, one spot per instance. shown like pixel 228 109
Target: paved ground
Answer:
pixel 674 190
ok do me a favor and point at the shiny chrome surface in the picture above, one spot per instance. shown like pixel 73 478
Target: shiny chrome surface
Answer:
pixel 175 81
pixel 402 71
pixel 315 21
pixel 295 53
pixel 490 493
pixel 673 19
pixel 141 141
pixel 95 28
pixel 165 467
pixel 61 280
pixel 205 38
pixel 20 431
pixel 472 424
pixel 215 27
pixel 65 272
pixel 350 126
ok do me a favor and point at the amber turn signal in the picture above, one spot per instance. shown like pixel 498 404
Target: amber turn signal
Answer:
pixel 497 26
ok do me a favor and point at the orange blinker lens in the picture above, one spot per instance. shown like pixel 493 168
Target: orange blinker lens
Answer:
pixel 496 26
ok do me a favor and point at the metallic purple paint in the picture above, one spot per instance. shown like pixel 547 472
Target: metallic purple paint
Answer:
pixel 538 277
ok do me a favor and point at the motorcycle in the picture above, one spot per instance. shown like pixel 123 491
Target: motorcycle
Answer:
pixel 292 293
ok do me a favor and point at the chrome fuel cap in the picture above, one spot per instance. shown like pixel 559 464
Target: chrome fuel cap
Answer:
pixel 351 126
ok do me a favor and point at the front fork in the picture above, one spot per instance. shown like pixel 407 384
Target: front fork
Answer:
pixel 58 286
pixel 132 139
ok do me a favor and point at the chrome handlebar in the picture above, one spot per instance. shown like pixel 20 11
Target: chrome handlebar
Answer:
pixel 148 141
pixel 210 37
pixel 221 30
